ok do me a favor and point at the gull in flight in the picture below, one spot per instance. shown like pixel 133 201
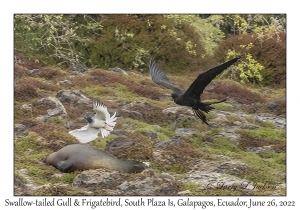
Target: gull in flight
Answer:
pixel 100 122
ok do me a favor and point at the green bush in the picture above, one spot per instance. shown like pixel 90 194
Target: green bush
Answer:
pixel 270 52
pixel 129 41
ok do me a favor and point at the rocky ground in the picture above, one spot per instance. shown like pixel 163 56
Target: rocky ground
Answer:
pixel 241 152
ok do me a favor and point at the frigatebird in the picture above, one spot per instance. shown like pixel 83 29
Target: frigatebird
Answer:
pixel 191 97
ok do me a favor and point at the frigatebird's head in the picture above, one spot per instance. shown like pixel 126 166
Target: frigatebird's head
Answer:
pixel 174 96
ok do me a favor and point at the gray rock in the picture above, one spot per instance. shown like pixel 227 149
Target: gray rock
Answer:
pixel 185 132
pixel 278 121
pixel 55 112
pixel 43 118
pixel 173 112
pixel 178 140
pixel 150 134
pixel 219 174
pixel 78 67
pixel 231 135
pixel 272 105
pixel 64 82
pixel 119 132
pixel 120 144
pixel 98 179
pixel 150 186
pixel 133 114
pixel 249 126
pixel 118 70
pixel 184 193
pixel 163 158
pixel 72 96
pixel 19 127
pixel 258 150
pixel 58 107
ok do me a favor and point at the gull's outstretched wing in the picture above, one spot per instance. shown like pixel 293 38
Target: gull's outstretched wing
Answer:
pixel 85 134
pixel 101 111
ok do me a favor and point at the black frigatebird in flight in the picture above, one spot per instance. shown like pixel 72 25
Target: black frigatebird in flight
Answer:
pixel 191 97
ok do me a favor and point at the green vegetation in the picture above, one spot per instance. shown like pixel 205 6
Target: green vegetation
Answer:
pixel 266 133
pixel 129 41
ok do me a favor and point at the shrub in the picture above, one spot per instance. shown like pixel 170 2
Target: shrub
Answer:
pixel 270 52
pixel 128 41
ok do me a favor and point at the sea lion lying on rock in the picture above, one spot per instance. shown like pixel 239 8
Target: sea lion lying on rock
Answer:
pixel 83 157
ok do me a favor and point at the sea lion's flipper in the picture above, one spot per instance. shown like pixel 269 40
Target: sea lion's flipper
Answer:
pixel 65 166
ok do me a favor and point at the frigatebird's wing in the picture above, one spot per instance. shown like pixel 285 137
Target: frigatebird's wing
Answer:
pixel 159 77
pixel 197 87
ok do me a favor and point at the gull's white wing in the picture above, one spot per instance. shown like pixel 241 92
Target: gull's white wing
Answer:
pixel 101 111
pixel 85 134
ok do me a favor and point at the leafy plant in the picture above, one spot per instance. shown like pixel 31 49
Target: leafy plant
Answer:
pixel 246 71
pixel 54 36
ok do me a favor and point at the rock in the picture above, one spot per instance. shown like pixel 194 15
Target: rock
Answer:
pixel 163 158
pixel 119 145
pixel 278 121
pixel 149 186
pixel 19 127
pixel 217 174
pixel 64 82
pixel 78 67
pixel 249 126
pixel 72 96
pixel 258 150
pixel 32 71
pixel 183 119
pixel 119 132
pixel 231 135
pixel 43 118
pixel 55 112
pixel 150 134
pixel 58 107
pixel 166 176
pixel 272 105
pixel 173 112
pixel 237 123
pixel 27 107
pixel 178 140
pixel 118 70
pixel 184 193
pixel 133 114
pixel 99 179
pixel 26 176
pixel 185 132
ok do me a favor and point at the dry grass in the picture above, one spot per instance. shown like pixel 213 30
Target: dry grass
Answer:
pixel 54 137
pixel 238 93
pixel 247 140
pixel 28 88
pixel 48 73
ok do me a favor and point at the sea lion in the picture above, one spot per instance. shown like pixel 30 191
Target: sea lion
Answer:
pixel 83 157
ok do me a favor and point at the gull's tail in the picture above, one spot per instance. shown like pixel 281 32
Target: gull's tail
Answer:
pixel 109 125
